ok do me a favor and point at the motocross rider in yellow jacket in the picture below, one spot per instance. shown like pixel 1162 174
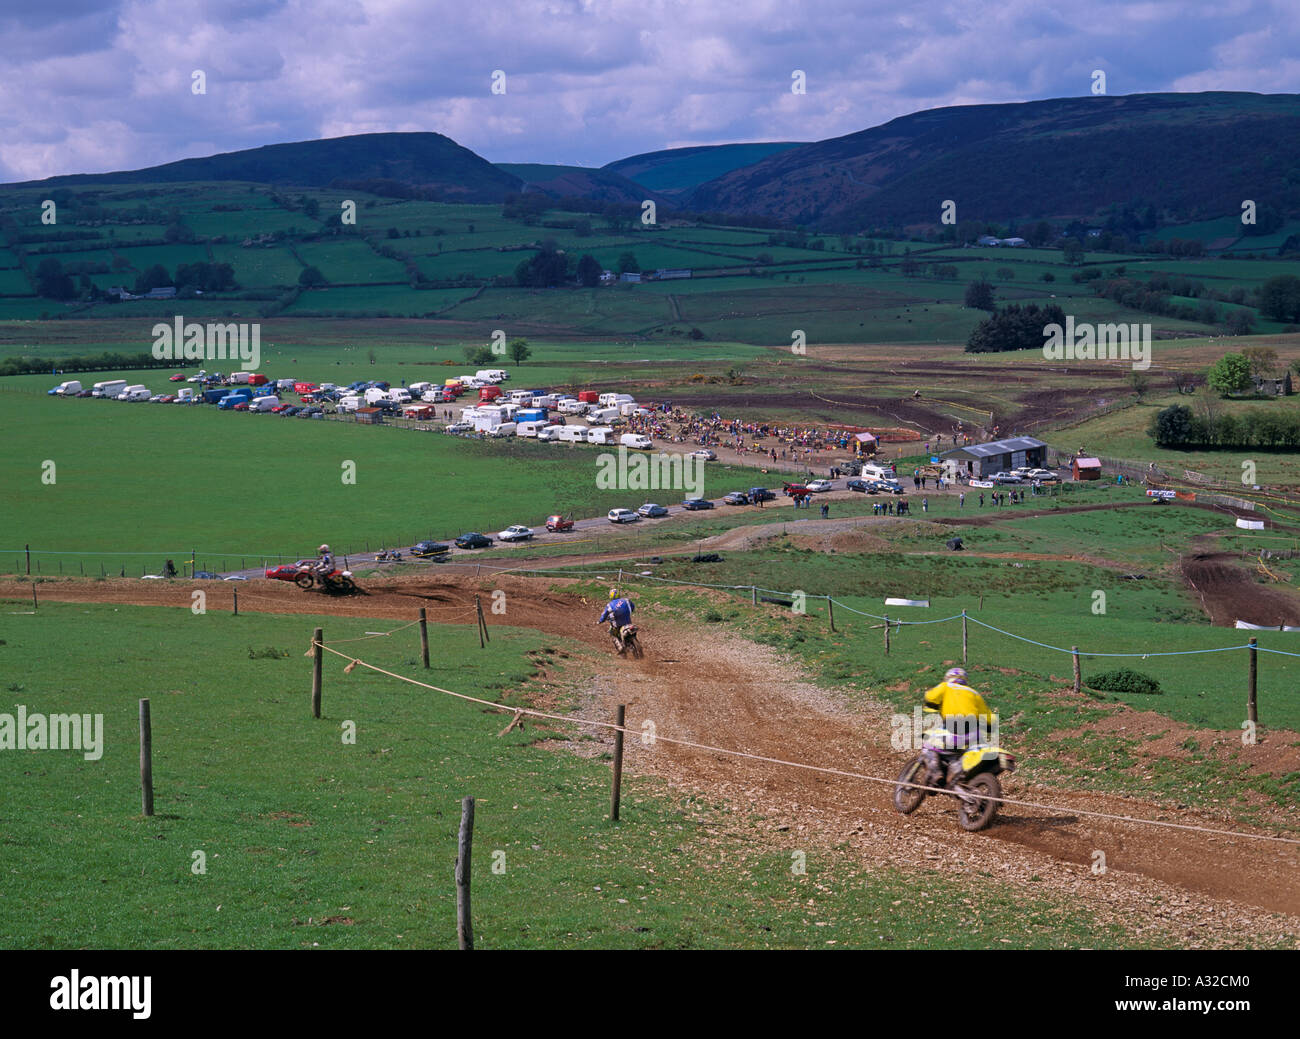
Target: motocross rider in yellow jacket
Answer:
pixel 962 714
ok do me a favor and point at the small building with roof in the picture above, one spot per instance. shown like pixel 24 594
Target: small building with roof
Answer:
pixel 982 461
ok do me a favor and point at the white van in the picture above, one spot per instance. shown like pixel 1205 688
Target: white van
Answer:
pixel 263 403
pixel 548 434
pixel 108 390
pixel 492 375
pixel 572 434
pixel 67 389
pixel 571 406
pixel 875 471
pixel 506 429
pixel 374 395
pixel 239 378
pixel 521 397
pixel 285 385
pixel 400 396
pixel 136 392
pixel 419 389
pixel 600 435
pixel 638 441
pixel 604 415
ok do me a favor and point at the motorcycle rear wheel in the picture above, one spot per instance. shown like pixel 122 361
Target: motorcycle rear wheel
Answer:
pixel 633 643
pixel 907 799
pixel 979 814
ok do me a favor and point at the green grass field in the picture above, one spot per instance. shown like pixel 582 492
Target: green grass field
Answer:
pixel 310 841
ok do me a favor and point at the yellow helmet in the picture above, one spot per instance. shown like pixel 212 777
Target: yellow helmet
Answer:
pixel 613 593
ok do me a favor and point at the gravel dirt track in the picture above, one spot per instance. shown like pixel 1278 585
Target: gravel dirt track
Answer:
pixel 713 687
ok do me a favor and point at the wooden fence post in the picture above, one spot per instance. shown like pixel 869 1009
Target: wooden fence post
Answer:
pixel 146 759
pixel 616 789
pixel 886 634
pixel 963 637
pixel 478 616
pixel 1078 675
pixel 28 549
pixel 753 595
pixel 424 638
pixel 236 591
pixel 318 659
pixel 830 611
pixel 34 604
pixel 1252 713
pixel 464 848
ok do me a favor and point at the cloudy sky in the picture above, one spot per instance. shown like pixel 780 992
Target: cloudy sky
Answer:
pixel 96 85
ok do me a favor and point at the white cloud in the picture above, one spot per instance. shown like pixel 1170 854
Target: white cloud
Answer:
pixel 88 86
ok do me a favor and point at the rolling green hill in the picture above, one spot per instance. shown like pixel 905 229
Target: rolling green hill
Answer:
pixel 430 161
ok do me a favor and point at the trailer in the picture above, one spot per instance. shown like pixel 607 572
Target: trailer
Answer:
pixel 109 389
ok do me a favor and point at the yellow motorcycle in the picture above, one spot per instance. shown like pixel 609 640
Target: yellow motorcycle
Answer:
pixel 971 776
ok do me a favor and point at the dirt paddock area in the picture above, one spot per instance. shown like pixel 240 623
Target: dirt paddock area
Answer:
pixel 713 687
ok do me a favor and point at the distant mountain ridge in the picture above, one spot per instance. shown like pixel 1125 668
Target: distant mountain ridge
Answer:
pixel 678 171
pixel 1193 155
pixel 1188 156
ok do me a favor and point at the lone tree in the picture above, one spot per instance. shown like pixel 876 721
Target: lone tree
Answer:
pixel 1230 374
pixel 1140 382
pixel 311 277
pixel 980 295
pixel 589 271
pixel 519 350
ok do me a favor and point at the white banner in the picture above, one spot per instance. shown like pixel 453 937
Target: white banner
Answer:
pixel 982 483
pixel 1161 494
pixel 1265 627
pixel 907 602
pixel 1246 524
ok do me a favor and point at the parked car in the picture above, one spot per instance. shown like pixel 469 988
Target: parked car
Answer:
pixel 736 498
pixel 515 533
pixel 458 427
pixel 757 494
pixel 1005 477
pixel 651 510
pixel 792 490
pixel 818 486
pixel 693 504
pixel 1044 476
pixel 286 571
pixel 558 523
pixel 86 393
pixel 863 486
pixel 206 575
pixel 311 411
pixel 178 377
pixel 703 453
pixel 622 516
pixel 473 540
pixel 886 486
pixel 292 409
pixel 425 549
pixel 167 398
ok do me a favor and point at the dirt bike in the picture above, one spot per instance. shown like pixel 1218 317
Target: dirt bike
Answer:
pixel 334 581
pixel 972 778
pixel 389 555
pixel 630 644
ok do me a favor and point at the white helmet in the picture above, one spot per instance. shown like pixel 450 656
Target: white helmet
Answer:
pixel 324 548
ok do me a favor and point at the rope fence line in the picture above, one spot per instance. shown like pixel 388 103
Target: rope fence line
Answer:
pixel 354 662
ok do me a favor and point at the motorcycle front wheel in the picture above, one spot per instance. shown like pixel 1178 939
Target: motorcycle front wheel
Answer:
pixel 977 813
pixel 303 581
pixel 907 799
